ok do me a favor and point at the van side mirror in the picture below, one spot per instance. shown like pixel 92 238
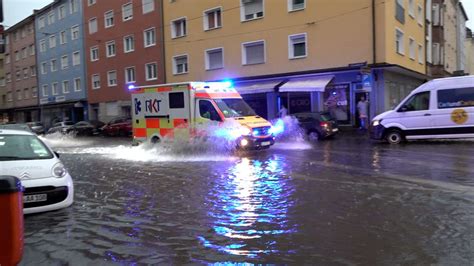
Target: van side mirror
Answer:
pixel 403 109
pixel 56 153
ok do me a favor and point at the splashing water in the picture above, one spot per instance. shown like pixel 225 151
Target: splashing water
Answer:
pixel 290 135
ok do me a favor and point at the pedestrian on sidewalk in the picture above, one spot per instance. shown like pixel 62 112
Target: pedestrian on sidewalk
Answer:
pixel 283 111
pixel 363 108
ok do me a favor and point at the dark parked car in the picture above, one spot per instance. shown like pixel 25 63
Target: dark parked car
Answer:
pixel 87 128
pixel 62 127
pixel 317 125
pixel 118 127
pixel 36 127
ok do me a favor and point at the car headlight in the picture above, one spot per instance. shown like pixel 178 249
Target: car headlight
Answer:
pixel 376 123
pixel 59 170
pixel 245 131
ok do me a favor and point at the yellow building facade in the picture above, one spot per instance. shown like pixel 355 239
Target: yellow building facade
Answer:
pixel 269 43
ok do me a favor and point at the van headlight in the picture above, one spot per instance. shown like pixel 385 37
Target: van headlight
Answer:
pixel 59 170
pixel 376 122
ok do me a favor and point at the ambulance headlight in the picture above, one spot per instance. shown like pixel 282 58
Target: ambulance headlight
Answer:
pixel 376 122
pixel 245 131
pixel 244 142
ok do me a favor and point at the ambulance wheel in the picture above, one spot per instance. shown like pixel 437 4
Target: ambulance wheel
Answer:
pixel 394 136
pixel 155 140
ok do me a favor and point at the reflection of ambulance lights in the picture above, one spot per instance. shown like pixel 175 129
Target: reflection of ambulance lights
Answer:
pixel 131 87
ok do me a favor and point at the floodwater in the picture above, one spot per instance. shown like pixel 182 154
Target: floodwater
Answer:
pixel 344 201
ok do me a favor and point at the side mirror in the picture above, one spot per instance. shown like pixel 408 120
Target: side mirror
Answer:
pixel 403 109
pixel 56 153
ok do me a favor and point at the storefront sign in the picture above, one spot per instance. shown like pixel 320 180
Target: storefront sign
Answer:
pixel 367 82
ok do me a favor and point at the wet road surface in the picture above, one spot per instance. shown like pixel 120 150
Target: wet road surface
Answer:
pixel 344 201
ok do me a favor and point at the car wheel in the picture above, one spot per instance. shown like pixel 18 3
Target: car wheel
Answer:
pixel 314 136
pixel 155 140
pixel 394 136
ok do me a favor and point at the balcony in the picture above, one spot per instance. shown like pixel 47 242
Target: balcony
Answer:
pixel 400 13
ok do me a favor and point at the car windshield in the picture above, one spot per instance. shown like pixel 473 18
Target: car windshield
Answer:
pixel 325 117
pixel 22 147
pixel 234 108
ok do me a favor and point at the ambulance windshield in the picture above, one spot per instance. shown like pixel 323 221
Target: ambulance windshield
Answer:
pixel 234 107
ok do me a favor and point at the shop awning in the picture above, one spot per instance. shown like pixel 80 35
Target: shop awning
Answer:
pixel 307 84
pixel 256 86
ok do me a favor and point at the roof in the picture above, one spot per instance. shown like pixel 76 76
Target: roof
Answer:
pixel 25 21
pixel 15 132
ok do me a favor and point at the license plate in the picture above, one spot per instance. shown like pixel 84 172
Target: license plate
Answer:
pixel 266 143
pixel 335 129
pixel 35 198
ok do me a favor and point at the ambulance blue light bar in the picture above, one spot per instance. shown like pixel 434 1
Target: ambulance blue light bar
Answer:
pixel 131 87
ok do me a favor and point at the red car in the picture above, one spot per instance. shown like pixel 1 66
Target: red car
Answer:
pixel 118 127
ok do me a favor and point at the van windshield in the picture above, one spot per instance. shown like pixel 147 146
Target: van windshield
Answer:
pixel 234 107
pixel 22 147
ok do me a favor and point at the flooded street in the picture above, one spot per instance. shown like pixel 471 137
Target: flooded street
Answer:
pixel 343 201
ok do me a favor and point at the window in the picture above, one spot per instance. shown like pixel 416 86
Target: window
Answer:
pixel 42 44
pixel 17 56
pixel 399 41
pixel 7 59
pixel 34 92
pixel 180 64
pixel 43 68
pixel 54 65
pixel 51 17
pixel 25 73
pixel 212 19
pixel 64 62
pixel 149 37
pixel 128 44
pixel 26 93
pixel 74 7
pixel 77 84
pixel 297 46
pixel 436 15
pixel 420 15
pixel 295 5
pixel 109 19
pixel 151 71
pixel 411 44
pixel 9 96
pixel 95 81
pixel 65 86
pixel 130 74
pixel 18 95
pixel 8 77
pixel 411 8
pixel 33 71
pixel 417 102
pixel 41 22
pixel 76 58
pixel 214 59
pixel 75 33
pixel 251 9
pixel 24 53
pixel 94 53
pixel 90 2
pixel 127 12
pixel 23 33
pixel 455 98
pixel 436 54
pixel 32 49
pixel 2 82
pixel 207 110
pixel 92 25
pixel 176 100
pixel 62 12
pixel 148 6
pixel 110 48
pixel 178 28
pixel 54 88
pixel 62 37
pixel 18 75
pixel 44 90
pixel 112 78
pixel 52 41
pixel 253 53
pixel 420 54
pixel 400 11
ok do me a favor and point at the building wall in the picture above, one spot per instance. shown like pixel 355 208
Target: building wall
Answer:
pixel 413 27
pixel 69 73
pixel 450 36
pixel 338 33
pixel 460 36
pixel 112 97
pixel 19 89
pixel 469 48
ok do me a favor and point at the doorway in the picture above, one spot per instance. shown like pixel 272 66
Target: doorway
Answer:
pixel 358 97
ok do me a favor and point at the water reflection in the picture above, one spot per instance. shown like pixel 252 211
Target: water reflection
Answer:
pixel 249 207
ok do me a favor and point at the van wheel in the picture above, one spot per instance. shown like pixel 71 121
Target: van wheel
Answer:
pixel 155 140
pixel 313 136
pixel 394 136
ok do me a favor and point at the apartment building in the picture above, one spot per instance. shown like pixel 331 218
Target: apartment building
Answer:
pixel 3 91
pixel 449 32
pixel 124 48
pixel 469 47
pixel 61 62
pixel 19 89
pixel 305 55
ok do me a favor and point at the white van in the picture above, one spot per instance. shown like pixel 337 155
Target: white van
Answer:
pixel 441 108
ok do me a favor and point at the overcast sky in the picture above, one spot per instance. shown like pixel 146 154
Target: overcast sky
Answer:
pixel 16 10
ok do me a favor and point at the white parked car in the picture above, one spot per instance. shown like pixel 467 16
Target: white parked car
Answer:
pixel 48 185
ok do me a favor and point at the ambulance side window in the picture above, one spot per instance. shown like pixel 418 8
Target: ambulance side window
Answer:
pixel 207 110
pixel 176 100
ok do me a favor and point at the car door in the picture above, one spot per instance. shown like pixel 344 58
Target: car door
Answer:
pixel 415 115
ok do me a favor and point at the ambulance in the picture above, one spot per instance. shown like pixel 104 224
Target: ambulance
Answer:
pixel 185 111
